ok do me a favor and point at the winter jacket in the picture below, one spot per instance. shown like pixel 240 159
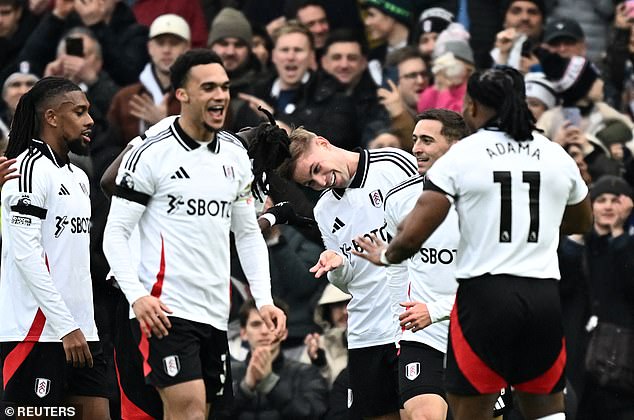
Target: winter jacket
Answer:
pixel 123 43
pixel 294 391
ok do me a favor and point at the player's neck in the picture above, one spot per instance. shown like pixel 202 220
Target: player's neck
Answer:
pixel 195 129
pixel 352 162
pixel 58 145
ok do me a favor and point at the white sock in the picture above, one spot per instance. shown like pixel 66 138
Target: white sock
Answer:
pixel 556 416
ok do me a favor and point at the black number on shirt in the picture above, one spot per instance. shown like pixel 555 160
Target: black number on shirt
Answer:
pixel 532 178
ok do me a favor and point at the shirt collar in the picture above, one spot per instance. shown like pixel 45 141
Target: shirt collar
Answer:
pixel 188 142
pixel 50 153
pixel 360 175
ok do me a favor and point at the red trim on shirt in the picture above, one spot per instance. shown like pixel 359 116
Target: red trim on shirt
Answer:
pixel 481 377
pixel 545 382
pixel 160 276
pixel 20 352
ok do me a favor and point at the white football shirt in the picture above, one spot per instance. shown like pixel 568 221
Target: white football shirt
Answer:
pixel 187 196
pixel 344 214
pixel 429 275
pixel 510 197
pixel 46 287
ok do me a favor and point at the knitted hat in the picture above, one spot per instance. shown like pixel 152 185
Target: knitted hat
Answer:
pixel 460 49
pixel 400 10
pixel 17 75
pixel 537 86
pixel 435 19
pixel 610 184
pixel 572 77
pixel 541 5
pixel 563 28
pixel 615 131
pixel 230 23
pixel 170 24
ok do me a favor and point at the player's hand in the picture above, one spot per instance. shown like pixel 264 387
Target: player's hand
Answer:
pixel 312 345
pixel 372 248
pixel 274 319
pixel 151 314
pixel 76 349
pixel 328 261
pixel 284 214
pixel 416 316
pixel 6 172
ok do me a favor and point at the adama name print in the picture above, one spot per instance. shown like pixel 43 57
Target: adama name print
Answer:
pixel 518 148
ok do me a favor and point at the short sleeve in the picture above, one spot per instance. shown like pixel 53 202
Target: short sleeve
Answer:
pixel 578 189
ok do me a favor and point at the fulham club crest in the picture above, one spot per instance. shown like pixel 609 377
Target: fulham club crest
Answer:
pixel 229 172
pixel 42 387
pixel 376 198
pixel 171 365
pixel 412 370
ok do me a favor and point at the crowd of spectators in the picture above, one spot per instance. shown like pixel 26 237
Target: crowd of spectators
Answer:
pixel 357 73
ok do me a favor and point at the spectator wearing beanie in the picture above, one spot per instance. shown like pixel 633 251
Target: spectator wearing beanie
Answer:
pixel 453 64
pixel 614 136
pixel 387 22
pixel 431 23
pixel 231 37
pixel 577 82
pixel 540 93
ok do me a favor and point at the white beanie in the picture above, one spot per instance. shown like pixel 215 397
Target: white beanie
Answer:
pixel 537 86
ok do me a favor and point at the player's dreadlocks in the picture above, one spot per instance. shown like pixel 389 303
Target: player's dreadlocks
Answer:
pixel 502 89
pixel 268 148
pixel 28 115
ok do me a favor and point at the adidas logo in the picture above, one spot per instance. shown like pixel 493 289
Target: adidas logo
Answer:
pixel 63 191
pixel 338 225
pixel 180 173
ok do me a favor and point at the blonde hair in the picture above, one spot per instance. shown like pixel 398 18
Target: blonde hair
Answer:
pixel 293 26
pixel 300 140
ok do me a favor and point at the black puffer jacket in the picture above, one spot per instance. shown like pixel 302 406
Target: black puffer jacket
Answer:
pixel 300 393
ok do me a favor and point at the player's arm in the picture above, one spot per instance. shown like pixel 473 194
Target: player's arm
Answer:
pixel 108 180
pixel 131 196
pixel 254 257
pixel 27 211
pixel 334 264
pixel 577 218
pixel 397 279
pixel 429 212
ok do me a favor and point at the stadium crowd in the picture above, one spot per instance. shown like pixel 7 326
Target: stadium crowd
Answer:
pixel 368 77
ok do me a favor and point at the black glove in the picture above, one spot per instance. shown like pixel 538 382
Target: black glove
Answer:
pixel 284 213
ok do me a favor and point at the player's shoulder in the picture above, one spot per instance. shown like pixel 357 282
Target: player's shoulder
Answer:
pixel 390 158
pixel 228 142
pixel 416 182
